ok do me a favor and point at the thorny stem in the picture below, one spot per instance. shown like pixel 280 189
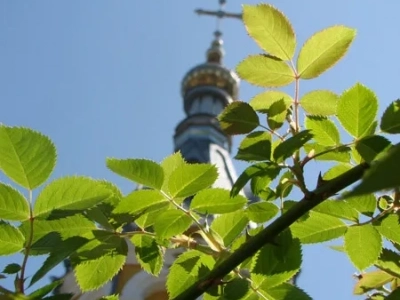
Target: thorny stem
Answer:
pixel 21 280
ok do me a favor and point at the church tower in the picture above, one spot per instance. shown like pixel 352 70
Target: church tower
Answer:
pixel 206 89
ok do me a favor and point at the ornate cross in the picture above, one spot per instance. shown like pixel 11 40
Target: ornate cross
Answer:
pixel 220 14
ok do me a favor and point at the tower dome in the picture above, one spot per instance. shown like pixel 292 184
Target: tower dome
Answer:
pixel 211 74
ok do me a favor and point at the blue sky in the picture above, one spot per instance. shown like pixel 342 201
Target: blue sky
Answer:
pixel 102 78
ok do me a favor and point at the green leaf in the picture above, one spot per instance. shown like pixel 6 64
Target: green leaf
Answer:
pixel 230 226
pixel 142 171
pixel 59 254
pixel 259 169
pixel 92 273
pixel 255 147
pixel 270 29
pixel 324 131
pixel 265 71
pixel 340 154
pixel 12 268
pixel 216 201
pixel 323 50
pixel 147 219
pixel 260 184
pixel 320 103
pixel 338 208
pixel 389 227
pixel 369 147
pixel 285 185
pixel 277 114
pixel 291 145
pixel 141 201
pixel 357 109
pixel 261 212
pixel 111 297
pixel 285 291
pixel 363 244
pixel 186 270
pixel 43 291
pixel 169 164
pixel 390 121
pixel 336 171
pixel 318 228
pixel 238 118
pixel 236 289
pixel 380 175
pixel 189 179
pixel 70 193
pixel 278 262
pixel 170 223
pixel 365 204
pixel 76 225
pixel 389 261
pixel 26 156
pixel 148 253
pixel 394 295
pixel 11 239
pixel 262 102
pixel 13 205
pixel 371 280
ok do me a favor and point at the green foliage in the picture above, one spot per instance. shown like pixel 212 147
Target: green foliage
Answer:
pixel 323 50
pixel 270 29
pixel 265 71
pixel 390 121
pixel 319 103
pixel 247 250
pixel 27 157
pixel 356 110
pixel 363 244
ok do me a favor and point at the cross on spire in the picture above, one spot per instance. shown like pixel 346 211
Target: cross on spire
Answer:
pixel 219 14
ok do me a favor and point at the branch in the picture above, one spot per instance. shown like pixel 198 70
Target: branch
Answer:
pixel 269 233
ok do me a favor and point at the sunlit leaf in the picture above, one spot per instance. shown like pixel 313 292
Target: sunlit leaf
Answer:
pixel 363 244
pixel 95 272
pixel 270 29
pixel 13 205
pixel 284 291
pixel 188 179
pixel 324 131
pixel 142 171
pixel 216 201
pixel 319 103
pixel 277 263
pixel 169 164
pixel 262 211
pixel 141 201
pixel 390 121
pixel 324 49
pixel 263 101
pixel 70 193
pixel 337 208
pixel 357 109
pixel 230 226
pixel 26 156
pixel 170 223
pixel 389 228
pixel 265 71
pixel 186 270
pixel 318 228
pixel 389 261
pixel 371 280
pixel 365 204
pixel 336 171
pixel 11 239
